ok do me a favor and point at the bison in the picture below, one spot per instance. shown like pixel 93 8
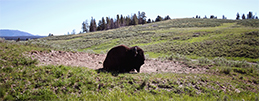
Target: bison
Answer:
pixel 124 59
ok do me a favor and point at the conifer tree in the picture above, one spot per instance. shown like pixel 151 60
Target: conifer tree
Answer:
pixel 212 16
pixel 112 24
pixel 128 21
pixel 92 25
pixel 167 17
pixel 108 23
pixel 134 20
pixel 237 18
pixel 122 21
pixel 159 18
pixel 85 26
pixel 139 18
pixel 205 17
pixel 243 16
pixel 149 20
pixel 103 24
pixel 143 18
pixel 100 26
pixel 118 21
pixel 250 15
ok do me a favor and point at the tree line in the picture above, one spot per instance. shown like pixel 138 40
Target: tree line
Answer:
pixel 249 16
pixel 107 23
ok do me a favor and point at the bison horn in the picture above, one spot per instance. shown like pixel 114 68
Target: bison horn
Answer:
pixel 136 52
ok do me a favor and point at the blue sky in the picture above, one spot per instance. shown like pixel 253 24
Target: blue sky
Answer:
pixel 41 17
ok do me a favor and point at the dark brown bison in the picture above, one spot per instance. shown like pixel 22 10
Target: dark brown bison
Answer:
pixel 124 59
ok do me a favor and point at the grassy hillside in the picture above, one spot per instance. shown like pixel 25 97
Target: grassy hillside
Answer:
pixel 178 40
pixel 194 38
pixel 20 79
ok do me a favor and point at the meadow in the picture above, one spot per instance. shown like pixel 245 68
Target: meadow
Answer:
pixel 194 38
pixel 228 48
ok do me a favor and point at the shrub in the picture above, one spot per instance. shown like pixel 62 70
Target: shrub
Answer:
pixel 220 61
pixel 226 70
pixel 178 57
pixel 204 60
pixel 2 40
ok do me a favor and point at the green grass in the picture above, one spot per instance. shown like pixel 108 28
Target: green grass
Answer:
pixel 21 79
pixel 191 37
pixel 154 55
pixel 151 43
pixel 102 48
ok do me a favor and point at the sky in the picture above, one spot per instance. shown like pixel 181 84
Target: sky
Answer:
pixel 41 17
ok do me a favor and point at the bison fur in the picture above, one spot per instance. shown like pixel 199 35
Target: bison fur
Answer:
pixel 124 59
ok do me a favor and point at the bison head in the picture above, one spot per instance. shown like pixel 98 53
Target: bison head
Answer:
pixel 138 57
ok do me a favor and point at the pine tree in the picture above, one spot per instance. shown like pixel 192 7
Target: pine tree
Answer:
pixel 108 23
pixel 122 21
pixel 128 21
pixel 143 18
pixel 223 16
pixel 159 18
pixel 92 25
pixel 212 17
pixel 197 16
pixel 112 24
pixel 149 20
pixel 85 26
pixel 237 18
pixel 103 24
pixel 118 21
pixel 243 16
pixel 139 18
pixel 167 17
pixel 250 15
pixel 205 17
pixel 100 26
pixel 134 20
pixel 51 34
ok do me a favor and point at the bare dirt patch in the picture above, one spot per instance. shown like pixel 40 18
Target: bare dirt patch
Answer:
pixel 94 61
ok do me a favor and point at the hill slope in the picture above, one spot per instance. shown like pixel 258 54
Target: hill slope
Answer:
pixel 233 39
pixel 21 77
